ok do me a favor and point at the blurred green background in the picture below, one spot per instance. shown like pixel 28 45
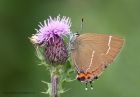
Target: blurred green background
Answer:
pixel 20 76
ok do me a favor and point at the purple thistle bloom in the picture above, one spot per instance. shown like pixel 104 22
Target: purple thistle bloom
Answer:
pixel 50 35
pixel 57 26
pixel 56 51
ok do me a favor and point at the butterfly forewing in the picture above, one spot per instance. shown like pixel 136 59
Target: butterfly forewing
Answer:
pixel 92 52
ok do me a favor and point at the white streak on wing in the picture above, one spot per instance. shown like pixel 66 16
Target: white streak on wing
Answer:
pixel 91 60
pixel 76 66
pixel 109 41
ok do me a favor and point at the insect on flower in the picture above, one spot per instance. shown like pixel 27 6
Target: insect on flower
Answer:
pixel 91 53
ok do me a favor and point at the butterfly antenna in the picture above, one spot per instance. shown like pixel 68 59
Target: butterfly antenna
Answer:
pixel 82 25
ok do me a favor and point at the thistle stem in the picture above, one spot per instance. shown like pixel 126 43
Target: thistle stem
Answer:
pixel 54 82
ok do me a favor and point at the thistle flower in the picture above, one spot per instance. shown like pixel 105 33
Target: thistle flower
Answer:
pixel 56 26
pixel 50 45
pixel 56 52
pixel 50 35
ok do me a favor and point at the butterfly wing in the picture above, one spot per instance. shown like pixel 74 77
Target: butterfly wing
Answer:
pixel 93 52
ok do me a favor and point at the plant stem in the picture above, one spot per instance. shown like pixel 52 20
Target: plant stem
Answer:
pixel 54 82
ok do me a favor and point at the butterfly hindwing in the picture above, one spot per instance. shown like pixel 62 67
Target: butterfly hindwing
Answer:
pixel 93 52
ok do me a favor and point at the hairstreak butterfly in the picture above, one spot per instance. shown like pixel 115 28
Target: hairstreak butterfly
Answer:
pixel 91 53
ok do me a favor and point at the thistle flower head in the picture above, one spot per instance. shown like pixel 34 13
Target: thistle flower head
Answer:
pixel 56 51
pixel 50 35
pixel 53 26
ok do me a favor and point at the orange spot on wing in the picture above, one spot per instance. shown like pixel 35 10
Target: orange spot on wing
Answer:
pixel 88 75
pixel 81 75
pixel 85 75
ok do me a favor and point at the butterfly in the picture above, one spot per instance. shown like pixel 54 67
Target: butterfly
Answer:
pixel 91 53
